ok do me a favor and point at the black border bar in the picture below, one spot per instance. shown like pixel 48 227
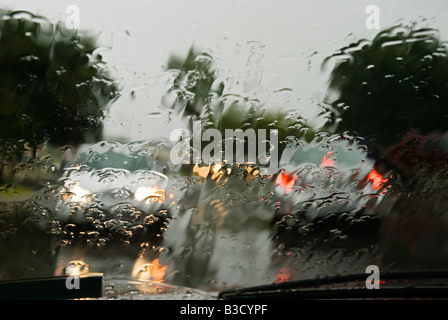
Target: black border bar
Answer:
pixel 51 288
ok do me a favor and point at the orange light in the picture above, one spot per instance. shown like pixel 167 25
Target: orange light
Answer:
pixel 149 271
pixel 157 271
pixel 327 161
pixel 201 171
pixel 285 180
pixel 216 167
pixel 376 179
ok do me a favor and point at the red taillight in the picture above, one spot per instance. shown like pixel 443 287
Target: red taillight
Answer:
pixel 327 161
pixel 376 179
pixel 283 275
pixel 285 180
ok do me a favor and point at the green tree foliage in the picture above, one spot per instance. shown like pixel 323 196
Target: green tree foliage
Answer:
pixel 200 94
pixel 393 84
pixel 195 82
pixel 54 87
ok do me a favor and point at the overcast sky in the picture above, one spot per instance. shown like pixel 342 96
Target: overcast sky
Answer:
pixel 285 42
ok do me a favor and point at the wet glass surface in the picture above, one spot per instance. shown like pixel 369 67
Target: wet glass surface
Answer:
pixel 341 117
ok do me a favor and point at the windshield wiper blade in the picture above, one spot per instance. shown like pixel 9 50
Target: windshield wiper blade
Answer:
pixel 403 285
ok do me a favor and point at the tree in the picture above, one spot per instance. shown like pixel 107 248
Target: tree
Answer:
pixel 199 94
pixel 54 86
pixel 194 84
pixel 391 85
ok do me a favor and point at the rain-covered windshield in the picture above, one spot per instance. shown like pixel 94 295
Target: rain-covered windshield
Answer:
pixel 220 145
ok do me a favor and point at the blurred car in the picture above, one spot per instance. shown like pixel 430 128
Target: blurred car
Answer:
pixel 110 192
